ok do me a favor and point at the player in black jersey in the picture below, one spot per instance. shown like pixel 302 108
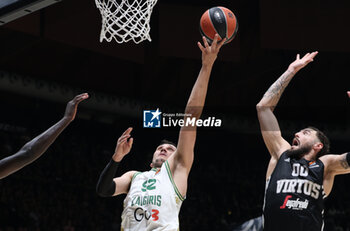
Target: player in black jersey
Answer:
pixel 299 175
pixel 37 146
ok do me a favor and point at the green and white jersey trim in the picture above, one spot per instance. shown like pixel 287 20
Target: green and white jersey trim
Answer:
pixel 135 175
pixel 172 181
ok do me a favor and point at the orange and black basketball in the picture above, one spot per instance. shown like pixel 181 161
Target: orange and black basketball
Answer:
pixel 218 20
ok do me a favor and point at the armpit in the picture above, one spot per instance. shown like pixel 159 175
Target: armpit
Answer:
pixel 344 162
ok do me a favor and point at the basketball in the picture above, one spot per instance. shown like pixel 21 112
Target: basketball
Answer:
pixel 218 20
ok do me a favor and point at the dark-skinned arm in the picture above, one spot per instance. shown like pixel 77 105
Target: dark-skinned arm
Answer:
pixel 37 146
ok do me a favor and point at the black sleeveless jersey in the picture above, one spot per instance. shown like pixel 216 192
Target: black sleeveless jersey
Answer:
pixel 294 196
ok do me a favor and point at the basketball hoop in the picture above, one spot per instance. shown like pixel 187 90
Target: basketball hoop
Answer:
pixel 126 20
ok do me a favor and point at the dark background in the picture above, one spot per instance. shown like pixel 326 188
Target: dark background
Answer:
pixel 58 48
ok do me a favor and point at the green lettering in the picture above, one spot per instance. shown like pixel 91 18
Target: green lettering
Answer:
pixel 148 185
pixel 133 201
pixel 144 185
pixel 159 200
pixel 137 201
pixel 144 201
pixel 151 183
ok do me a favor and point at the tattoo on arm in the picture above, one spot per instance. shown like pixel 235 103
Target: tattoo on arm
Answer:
pixel 276 90
pixel 344 163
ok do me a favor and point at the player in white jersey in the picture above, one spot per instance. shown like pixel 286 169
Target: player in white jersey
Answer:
pixel 153 201
pixel 154 198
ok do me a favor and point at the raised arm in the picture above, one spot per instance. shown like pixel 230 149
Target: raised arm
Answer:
pixel 334 165
pixel 181 161
pixel 107 185
pixel 268 123
pixel 337 164
pixel 36 147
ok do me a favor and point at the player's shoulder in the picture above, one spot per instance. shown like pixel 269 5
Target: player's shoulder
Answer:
pixel 332 164
pixel 131 174
pixel 326 159
pixel 134 173
pixel 329 161
pixel 282 153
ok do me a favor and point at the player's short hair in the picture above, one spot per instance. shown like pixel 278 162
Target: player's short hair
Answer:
pixel 324 140
pixel 164 141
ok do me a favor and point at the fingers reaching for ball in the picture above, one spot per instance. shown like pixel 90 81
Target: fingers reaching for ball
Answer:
pixel 205 42
pixel 215 45
pixel 210 52
pixel 222 42
pixel 215 41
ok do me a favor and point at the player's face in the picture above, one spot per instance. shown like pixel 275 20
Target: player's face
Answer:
pixel 161 154
pixel 305 137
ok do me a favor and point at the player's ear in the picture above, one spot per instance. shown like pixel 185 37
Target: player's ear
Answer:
pixel 151 165
pixel 318 146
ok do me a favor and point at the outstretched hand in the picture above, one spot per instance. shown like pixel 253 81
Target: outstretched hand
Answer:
pixel 300 63
pixel 71 109
pixel 123 145
pixel 349 94
pixel 210 52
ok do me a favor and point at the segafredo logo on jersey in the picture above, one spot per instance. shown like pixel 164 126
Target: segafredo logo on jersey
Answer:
pixel 152 118
pixel 294 204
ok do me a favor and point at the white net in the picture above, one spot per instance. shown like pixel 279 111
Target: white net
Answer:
pixel 126 20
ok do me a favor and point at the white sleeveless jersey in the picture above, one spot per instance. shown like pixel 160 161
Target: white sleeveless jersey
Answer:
pixel 153 202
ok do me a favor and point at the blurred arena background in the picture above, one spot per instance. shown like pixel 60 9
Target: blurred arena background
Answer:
pixel 50 55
